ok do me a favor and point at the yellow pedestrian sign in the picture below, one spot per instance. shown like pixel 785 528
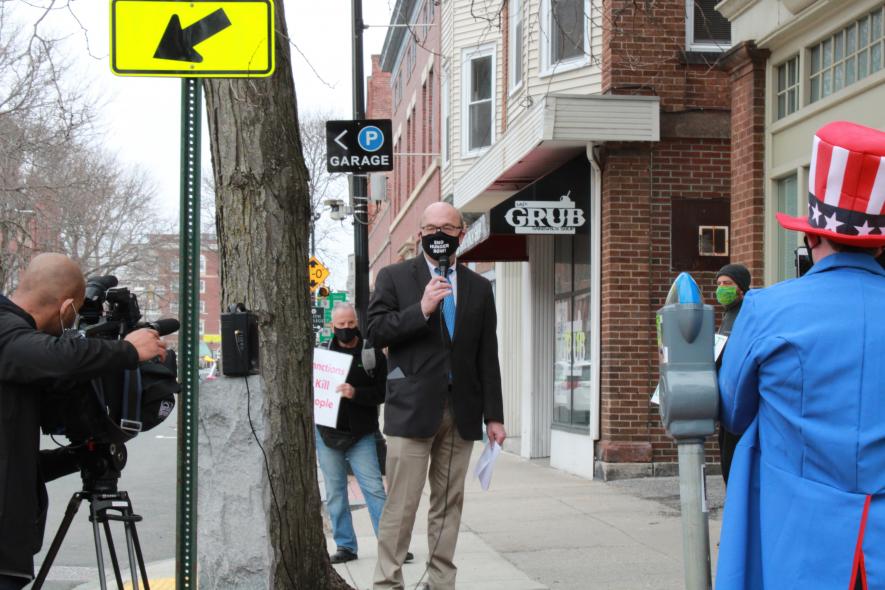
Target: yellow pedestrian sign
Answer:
pixel 195 38
pixel 316 273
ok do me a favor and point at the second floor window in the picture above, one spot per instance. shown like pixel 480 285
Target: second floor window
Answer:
pixel 478 101
pixel 788 87
pixel 706 29
pixel 446 118
pixel 567 30
pixel 850 55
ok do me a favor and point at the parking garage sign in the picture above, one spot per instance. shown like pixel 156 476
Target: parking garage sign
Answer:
pixel 359 146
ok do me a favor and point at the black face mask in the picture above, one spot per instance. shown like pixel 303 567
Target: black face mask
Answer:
pixel 439 244
pixel 346 335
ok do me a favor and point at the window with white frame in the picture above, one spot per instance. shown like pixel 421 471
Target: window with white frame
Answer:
pixel 202 326
pixel 787 87
pixel 786 201
pixel 515 47
pixel 202 286
pixel 445 110
pixel 846 57
pixel 705 28
pixel 202 306
pixel 478 99
pixel 202 264
pixel 565 33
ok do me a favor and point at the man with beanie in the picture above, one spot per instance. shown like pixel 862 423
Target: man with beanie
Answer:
pixel 732 283
pixel 802 379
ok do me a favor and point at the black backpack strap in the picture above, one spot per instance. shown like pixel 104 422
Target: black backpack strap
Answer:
pixel 130 416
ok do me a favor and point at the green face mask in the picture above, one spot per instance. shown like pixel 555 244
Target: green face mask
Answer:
pixel 726 295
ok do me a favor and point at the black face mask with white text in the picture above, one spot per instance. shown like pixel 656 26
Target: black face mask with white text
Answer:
pixel 440 244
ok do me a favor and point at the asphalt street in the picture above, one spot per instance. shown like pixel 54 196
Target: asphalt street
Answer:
pixel 149 477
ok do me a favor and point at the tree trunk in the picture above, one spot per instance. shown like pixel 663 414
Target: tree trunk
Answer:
pixel 263 220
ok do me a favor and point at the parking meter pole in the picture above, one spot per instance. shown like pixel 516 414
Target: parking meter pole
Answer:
pixel 695 528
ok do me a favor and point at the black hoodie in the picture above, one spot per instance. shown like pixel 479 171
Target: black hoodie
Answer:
pixel 29 361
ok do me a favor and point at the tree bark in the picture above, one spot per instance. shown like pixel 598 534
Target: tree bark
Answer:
pixel 263 219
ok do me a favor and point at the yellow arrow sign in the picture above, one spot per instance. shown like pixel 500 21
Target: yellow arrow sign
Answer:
pixel 197 38
pixel 317 273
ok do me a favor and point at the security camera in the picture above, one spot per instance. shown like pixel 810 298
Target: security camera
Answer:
pixel 336 209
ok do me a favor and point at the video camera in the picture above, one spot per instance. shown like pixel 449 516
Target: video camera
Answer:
pixel 112 408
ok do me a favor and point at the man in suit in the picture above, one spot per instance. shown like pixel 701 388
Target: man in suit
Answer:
pixel 802 381
pixel 438 321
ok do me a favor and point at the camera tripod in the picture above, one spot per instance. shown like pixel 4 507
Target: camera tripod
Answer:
pixel 100 467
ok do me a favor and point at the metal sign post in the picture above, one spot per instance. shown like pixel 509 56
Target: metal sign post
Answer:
pixel 188 339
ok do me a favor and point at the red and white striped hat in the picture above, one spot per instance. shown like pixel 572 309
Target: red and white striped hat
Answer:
pixel 846 186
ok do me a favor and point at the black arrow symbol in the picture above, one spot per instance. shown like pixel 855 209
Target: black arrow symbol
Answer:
pixel 178 44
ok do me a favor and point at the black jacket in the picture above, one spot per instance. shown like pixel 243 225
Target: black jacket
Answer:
pixel 421 357
pixel 30 361
pixel 359 415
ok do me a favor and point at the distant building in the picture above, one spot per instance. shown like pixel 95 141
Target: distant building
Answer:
pixel 157 284
pixel 405 86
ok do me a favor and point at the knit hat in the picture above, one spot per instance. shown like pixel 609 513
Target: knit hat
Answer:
pixel 737 273
pixel 846 187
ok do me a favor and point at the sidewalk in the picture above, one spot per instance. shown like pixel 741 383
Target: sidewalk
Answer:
pixel 539 528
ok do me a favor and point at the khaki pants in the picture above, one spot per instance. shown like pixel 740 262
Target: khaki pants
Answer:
pixel 407 470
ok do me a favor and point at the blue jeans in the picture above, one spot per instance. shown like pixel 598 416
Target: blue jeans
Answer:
pixel 363 459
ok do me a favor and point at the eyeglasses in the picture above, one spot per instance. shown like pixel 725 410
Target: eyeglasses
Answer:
pixel 447 228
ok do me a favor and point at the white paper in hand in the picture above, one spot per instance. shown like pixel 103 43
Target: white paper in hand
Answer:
pixel 486 464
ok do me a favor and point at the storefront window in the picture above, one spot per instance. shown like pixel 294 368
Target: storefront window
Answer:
pixel 572 314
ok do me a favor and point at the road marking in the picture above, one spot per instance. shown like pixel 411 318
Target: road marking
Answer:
pixel 161 584
pixel 164 436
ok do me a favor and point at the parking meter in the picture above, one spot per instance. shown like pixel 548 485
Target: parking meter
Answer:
pixel 689 403
pixel 689 393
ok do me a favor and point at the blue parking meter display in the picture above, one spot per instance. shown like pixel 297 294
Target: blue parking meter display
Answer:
pixel 689 393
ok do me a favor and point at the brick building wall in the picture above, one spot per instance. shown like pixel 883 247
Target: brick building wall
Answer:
pixel 644 53
pixel 746 67
pixel 414 182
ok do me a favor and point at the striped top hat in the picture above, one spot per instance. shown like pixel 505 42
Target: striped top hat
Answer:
pixel 846 187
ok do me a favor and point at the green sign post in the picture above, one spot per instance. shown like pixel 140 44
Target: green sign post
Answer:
pixel 170 38
pixel 188 337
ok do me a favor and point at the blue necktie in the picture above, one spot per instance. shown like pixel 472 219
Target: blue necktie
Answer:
pixel 448 306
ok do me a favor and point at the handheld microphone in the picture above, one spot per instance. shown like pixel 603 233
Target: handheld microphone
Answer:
pixel 444 266
pixel 163 327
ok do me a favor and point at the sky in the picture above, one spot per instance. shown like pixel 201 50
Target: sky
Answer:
pixel 139 118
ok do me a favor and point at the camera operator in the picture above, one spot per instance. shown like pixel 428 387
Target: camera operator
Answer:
pixel 33 355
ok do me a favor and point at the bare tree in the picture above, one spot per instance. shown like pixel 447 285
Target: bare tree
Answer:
pixel 40 111
pixel 93 209
pixel 323 185
pixel 263 209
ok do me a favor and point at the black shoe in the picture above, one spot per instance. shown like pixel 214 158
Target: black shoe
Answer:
pixel 342 556
pixel 409 557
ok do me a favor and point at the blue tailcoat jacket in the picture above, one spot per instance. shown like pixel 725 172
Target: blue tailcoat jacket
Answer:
pixel 803 378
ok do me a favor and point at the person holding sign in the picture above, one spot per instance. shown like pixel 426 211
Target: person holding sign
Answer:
pixel 352 440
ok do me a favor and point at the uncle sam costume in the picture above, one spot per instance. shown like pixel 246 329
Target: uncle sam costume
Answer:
pixel 803 378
